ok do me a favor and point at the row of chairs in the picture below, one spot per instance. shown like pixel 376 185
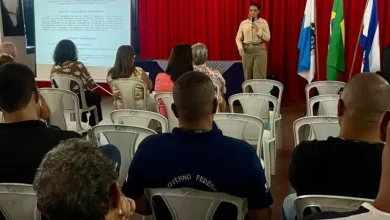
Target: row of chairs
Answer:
pixel 18 201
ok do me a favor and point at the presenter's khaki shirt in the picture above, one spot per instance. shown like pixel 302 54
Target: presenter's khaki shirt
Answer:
pixel 247 35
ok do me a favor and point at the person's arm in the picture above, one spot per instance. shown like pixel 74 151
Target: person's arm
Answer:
pixel 85 76
pixel 146 79
pixel 258 194
pixel 133 187
pixel 44 109
pixel 223 83
pixel 239 40
pixel 264 32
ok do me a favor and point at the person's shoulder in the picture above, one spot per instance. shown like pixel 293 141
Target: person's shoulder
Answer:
pixel 235 145
pixel 154 140
pixel 309 148
pixel 63 135
pixel 139 69
pixel 246 21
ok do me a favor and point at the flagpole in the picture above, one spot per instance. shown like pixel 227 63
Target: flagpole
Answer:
pixel 316 38
pixel 357 44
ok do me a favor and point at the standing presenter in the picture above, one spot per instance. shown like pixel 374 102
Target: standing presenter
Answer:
pixel 250 39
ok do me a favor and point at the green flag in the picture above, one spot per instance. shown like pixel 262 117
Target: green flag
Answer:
pixel 335 62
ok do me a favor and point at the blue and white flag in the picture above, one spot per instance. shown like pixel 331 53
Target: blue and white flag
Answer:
pixel 370 38
pixel 306 45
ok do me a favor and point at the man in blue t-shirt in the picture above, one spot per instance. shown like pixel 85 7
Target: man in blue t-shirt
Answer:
pixel 197 156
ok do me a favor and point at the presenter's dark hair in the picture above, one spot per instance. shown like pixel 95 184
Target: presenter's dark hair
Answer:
pixel 180 61
pixel 17 85
pixel 255 4
pixel 386 64
pixel 65 50
pixel 124 63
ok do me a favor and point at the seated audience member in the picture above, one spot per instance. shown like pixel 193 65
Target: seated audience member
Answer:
pixel 380 208
pixel 349 165
pixel 66 62
pixel 385 73
pixel 124 68
pixel 75 181
pixel 45 111
pixel 179 63
pixel 10 49
pixel 24 138
pixel 209 160
pixel 199 56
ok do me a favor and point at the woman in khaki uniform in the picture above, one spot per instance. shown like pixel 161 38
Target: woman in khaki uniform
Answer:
pixel 250 39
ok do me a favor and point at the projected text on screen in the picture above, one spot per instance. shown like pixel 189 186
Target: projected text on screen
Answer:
pixel 97 27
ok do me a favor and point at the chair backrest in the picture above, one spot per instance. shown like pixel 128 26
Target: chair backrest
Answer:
pixel 327 203
pixel 327 105
pixel 127 89
pixel 191 204
pixel 321 127
pixel 324 88
pixel 253 104
pixel 235 125
pixel 63 81
pixel 59 101
pixel 1 117
pixel 18 202
pixel 138 118
pixel 264 86
pixel 167 99
pixel 126 138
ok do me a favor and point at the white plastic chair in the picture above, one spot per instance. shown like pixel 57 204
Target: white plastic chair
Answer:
pixel 61 102
pixel 324 88
pixel 127 89
pixel 328 203
pixel 322 127
pixel 234 125
pixel 126 138
pixel 264 86
pixel 18 202
pixel 253 104
pixel 167 99
pixel 328 105
pixel 1 117
pixel 138 118
pixel 63 81
pixel 191 204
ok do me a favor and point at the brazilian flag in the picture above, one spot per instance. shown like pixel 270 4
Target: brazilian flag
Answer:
pixel 336 62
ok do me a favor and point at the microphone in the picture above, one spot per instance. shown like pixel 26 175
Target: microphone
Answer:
pixel 253 19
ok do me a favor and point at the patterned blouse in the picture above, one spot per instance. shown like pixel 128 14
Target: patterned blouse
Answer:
pixel 77 69
pixel 215 76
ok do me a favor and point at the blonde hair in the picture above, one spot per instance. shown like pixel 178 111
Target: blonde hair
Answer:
pixel 9 48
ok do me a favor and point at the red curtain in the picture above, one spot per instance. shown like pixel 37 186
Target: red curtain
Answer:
pixel 164 23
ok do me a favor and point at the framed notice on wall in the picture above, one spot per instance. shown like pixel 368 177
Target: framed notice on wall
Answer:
pixel 12 16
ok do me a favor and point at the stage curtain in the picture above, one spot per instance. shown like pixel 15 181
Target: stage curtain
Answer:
pixel 164 23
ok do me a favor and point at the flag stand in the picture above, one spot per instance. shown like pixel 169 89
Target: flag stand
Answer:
pixel 316 38
pixel 357 44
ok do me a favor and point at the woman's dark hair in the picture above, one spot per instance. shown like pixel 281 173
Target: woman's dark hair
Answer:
pixel 256 5
pixel 65 50
pixel 386 64
pixel 124 63
pixel 180 61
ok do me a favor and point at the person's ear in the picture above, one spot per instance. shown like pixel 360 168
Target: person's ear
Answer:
pixel 383 125
pixel 215 106
pixel 114 196
pixel 174 109
pixel 340 108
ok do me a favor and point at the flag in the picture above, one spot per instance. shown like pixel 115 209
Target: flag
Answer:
pixel 335 62
pixel 370 38
pixel 306 44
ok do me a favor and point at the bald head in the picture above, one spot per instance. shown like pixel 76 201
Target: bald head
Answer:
pixel 366 97
pixel 194 97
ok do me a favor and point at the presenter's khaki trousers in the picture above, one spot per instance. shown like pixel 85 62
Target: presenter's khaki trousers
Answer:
pixel 254 61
